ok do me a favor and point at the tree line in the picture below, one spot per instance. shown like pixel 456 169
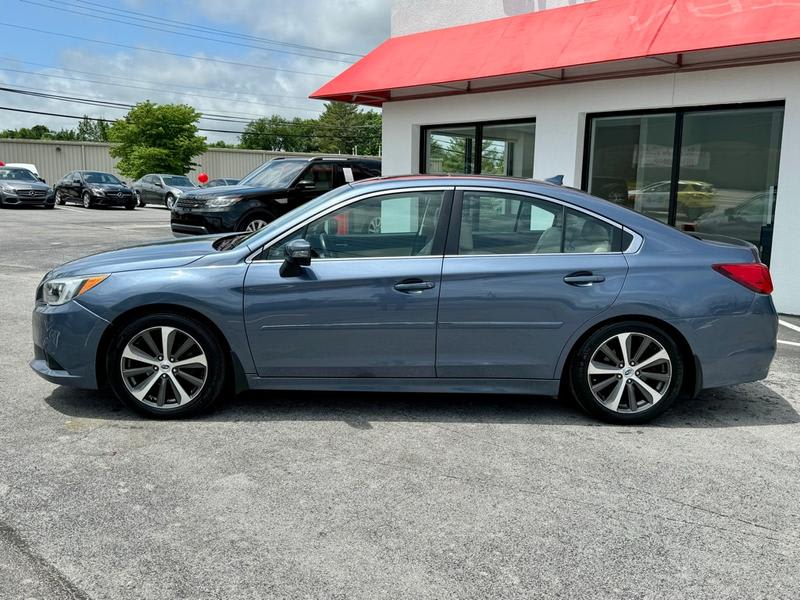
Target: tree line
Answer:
pixel 166 137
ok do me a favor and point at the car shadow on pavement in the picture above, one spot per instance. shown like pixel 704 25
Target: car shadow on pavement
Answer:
pixel 746 405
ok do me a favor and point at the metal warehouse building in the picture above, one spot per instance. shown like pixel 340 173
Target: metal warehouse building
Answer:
pixel 685 110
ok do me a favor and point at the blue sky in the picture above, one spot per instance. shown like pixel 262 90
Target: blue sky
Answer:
pixel 63 65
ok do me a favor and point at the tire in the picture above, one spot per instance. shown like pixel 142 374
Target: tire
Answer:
pixel 139 200
pixel 158 394
pixel 60 198
pixel 131 205
pixel 88 201
pixel 254 222
pixel 50 206
pixel 169 200
pixel 615 388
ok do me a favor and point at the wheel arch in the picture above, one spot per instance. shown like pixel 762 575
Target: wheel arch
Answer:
pixel 234 368
pixel 693 380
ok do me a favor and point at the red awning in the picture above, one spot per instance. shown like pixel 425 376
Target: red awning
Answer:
pixel 601 39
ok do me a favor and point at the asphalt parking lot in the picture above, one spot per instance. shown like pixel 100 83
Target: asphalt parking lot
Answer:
pixel 337 495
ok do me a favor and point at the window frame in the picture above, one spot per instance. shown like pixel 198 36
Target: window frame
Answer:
pixel 479 126
pixel 677 140
pixel 452 246
pixel 439 236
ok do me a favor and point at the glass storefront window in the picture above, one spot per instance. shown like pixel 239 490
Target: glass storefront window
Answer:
pixel 508 149
pixel 729 173
pixel 500 148
pixel 712 171
pixel 631 162
pixel 450 150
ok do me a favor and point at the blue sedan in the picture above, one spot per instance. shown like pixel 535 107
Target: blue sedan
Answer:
pixel 427 284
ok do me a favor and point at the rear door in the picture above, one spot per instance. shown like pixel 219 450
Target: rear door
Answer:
pixel 520 275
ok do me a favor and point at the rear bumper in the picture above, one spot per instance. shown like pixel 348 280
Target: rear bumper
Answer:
pixel 65 342
pixel 734 349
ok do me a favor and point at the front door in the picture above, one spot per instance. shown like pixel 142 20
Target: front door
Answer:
pixel 366 306
pixel 521 275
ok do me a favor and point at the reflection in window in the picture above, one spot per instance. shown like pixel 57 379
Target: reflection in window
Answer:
pixel 383 226
pixel 631 162
pixel 450 150
pixel 496 223
pixel 504 149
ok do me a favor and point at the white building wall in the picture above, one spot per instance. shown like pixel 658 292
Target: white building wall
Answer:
pixel 560 112
pixel 411 16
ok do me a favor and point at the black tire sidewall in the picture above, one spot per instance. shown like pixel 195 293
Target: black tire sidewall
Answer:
pixel 215 357
pixel 578 376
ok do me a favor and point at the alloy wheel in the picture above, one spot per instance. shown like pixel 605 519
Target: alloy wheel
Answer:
pixel 87 200
pixel 630 372
pixel 170 201
pixel 60 198
pixel 164 367
pixel 255 225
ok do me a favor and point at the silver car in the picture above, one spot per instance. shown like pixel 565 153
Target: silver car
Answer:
pixel 160 188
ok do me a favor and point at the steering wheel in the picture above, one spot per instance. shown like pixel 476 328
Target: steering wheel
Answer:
pixel 323 246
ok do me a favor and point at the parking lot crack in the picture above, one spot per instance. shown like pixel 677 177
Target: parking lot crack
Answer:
pixel 15 544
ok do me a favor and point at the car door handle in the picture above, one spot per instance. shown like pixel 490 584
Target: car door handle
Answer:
pixel 583 278
pixel 413 285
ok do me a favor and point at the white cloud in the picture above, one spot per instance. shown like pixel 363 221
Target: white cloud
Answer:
pixel 350 25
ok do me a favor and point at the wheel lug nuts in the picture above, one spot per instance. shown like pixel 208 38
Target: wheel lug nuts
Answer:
pixel 173 360
pixel 621 365
pixel 629 381
pixel 160 358
pixel 155 368
pixel 633 363
pixel 619 376
pixel 637 373
pixel 164 376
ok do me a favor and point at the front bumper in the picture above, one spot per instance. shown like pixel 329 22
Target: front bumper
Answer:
pixel 201 222
pixel 65 342
pixel 9 200
pixel 114 200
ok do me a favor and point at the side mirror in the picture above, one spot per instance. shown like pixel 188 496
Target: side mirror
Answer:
pixel 296 254
pixel 159 184
pixel 306 184
pixel 76 180
pixel 41 179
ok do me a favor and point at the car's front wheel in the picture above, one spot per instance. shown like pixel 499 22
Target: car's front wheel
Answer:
pixel 167 365
pixel 141 203
pixel 628 372
pixel 255 222
pixel 169 201
pixel 88 202
pixel 61 198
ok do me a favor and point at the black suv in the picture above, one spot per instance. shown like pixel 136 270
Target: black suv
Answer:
pixel 271 190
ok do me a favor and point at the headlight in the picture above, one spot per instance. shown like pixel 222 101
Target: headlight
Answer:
pixel 7 188
pixel 98 191
pixel 60 291
pixel 222 202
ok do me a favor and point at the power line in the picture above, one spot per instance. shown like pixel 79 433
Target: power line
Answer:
pixel 101 102
pixel 163 91
pixel 159 83
pixel 180 33
pixel 42 93
pixel 80 118
pixel 164 52
pixel 160 19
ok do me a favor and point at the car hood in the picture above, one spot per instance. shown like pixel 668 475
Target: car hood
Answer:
pixel 109 187
pixel 234 190
pixel 166 254
pixel 25 185
pixel 183 188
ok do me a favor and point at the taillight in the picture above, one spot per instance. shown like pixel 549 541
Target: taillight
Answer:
pixel 753 276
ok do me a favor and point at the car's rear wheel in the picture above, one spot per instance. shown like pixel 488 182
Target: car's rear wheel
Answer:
pixel 88 202
pixel 628 372
pixel 60 198
pixel 166 366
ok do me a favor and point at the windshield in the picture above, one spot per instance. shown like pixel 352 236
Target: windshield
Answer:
pixel 19 174
pixel 275 174
pixel 177 181
pixel 93 177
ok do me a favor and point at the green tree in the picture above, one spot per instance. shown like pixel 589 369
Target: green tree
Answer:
pixel 345 128
pixel 279 135
pixel 91 130
pixel 156 138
